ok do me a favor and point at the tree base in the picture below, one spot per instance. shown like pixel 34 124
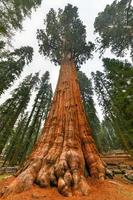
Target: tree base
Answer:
pixel 66 174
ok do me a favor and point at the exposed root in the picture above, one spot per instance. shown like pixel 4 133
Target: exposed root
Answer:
pixel 23 181
pixel 65 172
pixel 94 163
pixel 18 185
pixel 64 169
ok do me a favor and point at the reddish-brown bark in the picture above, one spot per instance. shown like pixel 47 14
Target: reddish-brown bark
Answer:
pixel 66 145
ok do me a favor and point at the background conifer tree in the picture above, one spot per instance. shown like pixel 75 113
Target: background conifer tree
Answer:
pixel 86 90
pixel 12 64
pixel 28 127
pixel 13 12
pixel 14 106
pixel 115 27
pixel 113 87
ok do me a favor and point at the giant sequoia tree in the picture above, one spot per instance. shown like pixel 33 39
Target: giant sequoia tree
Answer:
pixel 65 146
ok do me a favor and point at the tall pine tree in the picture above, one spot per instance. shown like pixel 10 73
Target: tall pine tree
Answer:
pixel 87 96
pixel 115 27
pixel 14 106
pixel 114 88
pixel 24 139
pixel 12 64
pixel 13 12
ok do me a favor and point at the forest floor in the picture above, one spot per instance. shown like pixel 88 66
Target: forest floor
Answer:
pixel 109 189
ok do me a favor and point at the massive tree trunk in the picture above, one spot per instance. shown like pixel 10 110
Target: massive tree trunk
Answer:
pixel 65 147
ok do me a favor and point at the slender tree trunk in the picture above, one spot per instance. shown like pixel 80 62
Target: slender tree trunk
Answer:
pixel 8 126
pixel 10 152
pixel 65 146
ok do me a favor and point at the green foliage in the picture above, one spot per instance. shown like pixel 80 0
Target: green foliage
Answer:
pixel 64 35
pixel 103 133
pixel 108 138
pixel 12 64
pixel 87 96
pixel 3 176
pixel 26 131
pixel 12 13
pixel 11 109
pixel 101 89
pixel 115 27
pixel 114 88
pixel 39 113
pixel 12 147
pixel 121 76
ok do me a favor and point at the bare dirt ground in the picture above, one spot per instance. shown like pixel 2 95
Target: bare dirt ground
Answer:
pixel 109 189
pixel 100 190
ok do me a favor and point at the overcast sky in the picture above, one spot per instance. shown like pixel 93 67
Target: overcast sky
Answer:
pixel 88 10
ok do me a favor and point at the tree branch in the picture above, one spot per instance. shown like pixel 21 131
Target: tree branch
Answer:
pixel 128 9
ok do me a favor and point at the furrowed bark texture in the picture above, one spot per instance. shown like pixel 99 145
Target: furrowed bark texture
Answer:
pixel 66 145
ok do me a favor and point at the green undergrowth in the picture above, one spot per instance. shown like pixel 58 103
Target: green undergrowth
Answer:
pixel 2 176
